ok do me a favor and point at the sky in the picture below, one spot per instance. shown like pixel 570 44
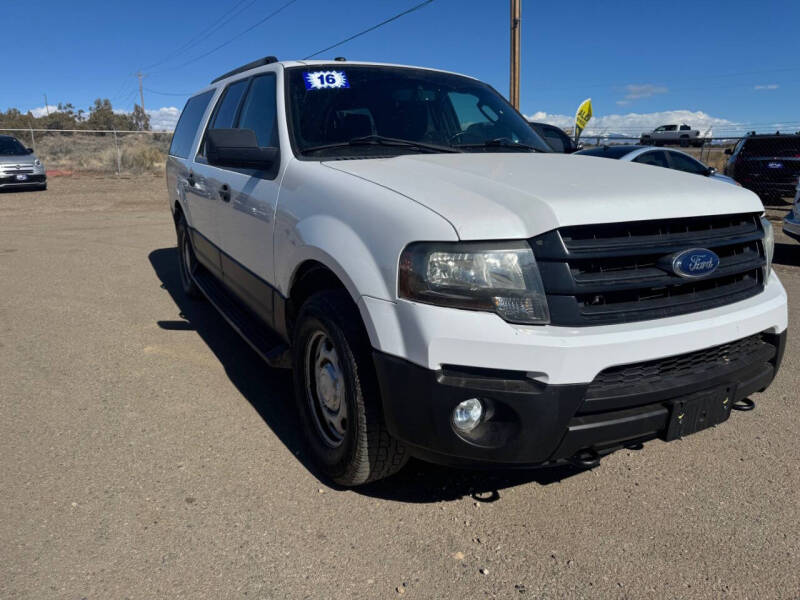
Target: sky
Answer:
pixel 731 66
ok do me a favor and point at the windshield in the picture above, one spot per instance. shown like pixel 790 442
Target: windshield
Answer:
pixel 11 147
pixel 346 111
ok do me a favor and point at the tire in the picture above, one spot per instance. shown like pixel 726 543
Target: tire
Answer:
pixel 42 188
pixel 187 261
pixel 337 393
pixel 684 142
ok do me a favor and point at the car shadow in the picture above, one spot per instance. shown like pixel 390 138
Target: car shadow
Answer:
pixel 270 393
pixel 787 255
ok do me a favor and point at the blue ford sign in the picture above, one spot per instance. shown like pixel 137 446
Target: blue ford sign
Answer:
pixel 694 263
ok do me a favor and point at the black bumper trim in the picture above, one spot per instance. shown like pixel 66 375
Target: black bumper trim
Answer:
pixel 532 423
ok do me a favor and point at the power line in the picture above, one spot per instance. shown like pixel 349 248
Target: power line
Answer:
pixel 223 20
pixel 238 35
pixel 167 93
pixel 373 28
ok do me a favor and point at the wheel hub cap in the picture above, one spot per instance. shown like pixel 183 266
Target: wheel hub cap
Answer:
pixel 325 387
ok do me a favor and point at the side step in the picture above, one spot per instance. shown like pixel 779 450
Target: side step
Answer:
pixel 262 339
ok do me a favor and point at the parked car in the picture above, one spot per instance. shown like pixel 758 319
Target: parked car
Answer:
pixel 19 166
pixel 667 158
pixel 555 137
pixel 444 286
pixel 672 135
pixel 791 222
pixel 769 165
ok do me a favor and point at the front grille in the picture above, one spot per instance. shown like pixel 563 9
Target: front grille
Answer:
pixel 17 171
pixel 629 385
pixel 694 364
pixel 613 273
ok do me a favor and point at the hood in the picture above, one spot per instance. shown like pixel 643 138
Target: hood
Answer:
pixel 23 159
pixel 519 195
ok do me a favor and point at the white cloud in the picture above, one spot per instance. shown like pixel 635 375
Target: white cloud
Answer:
pixel 164 118
pixel 635 91
pixel 769 86
pixel 43 110
pixel 634 124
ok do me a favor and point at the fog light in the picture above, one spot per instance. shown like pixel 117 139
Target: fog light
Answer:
pixel 467 415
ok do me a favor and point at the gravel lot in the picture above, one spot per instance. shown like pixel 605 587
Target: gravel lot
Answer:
pixel 146 452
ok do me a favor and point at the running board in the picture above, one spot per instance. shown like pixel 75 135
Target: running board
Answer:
pixel 260 337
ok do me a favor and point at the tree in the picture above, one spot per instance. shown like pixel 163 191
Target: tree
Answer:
pixel 141 120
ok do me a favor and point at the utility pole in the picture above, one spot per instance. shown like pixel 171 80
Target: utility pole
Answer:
pixel 140 75
pixel 516 24
pixel 46 107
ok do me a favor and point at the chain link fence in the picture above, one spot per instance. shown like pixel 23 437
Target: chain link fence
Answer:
pixel 768 164
pixel 761 160
pixel 96 151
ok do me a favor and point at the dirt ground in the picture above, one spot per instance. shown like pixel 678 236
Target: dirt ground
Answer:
pixel 146 452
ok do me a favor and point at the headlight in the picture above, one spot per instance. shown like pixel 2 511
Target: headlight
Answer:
pixel 37 163
pixel 769 245
pixel 499 277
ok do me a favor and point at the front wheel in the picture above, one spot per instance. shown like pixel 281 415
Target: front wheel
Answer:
pixel 337 393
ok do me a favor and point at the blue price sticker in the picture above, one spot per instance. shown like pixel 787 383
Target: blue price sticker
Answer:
pixel 324 80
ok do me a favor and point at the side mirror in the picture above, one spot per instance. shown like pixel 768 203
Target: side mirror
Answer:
pixel 239 149
pixel 728 151
pixel 711 171
pixel 30 150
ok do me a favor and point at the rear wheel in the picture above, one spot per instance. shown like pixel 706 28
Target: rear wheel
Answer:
pixel 337 393
pixel 187 260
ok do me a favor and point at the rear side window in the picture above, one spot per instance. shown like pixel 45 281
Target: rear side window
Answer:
pixel 685 128
pixel 188 123
pixel 657 158
pixel 260 110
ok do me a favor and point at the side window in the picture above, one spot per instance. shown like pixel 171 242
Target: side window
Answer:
pixel 188 123
pixel 555 140
pixel 260 110
pixel 228 104
pixel 657 158
pixel 225 112
pixel 681 162
pixel 670 128
pixel 685 128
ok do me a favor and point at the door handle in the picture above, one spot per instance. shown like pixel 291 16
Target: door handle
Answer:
pixel 190 179
pixel 225 193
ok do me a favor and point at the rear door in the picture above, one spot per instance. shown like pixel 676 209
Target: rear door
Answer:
pixel 181 178
pixel 247 210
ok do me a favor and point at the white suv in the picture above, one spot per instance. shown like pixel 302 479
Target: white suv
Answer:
pixel 445 287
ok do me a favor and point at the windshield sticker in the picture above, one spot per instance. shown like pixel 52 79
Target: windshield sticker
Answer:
pixel 323 80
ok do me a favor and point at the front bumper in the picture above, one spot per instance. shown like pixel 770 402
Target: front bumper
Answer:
pixel 32 180
pixel 532 423
pixel 791 225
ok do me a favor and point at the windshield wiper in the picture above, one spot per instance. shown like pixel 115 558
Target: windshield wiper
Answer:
pixel 501 143
pixel 380 140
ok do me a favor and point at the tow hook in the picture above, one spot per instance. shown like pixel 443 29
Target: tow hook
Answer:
pixel 744 404
pixel 586 459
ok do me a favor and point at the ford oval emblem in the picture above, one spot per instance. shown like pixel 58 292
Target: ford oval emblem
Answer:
pixel 695 263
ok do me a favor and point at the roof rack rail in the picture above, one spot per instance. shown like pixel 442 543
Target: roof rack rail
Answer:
pixel 267 60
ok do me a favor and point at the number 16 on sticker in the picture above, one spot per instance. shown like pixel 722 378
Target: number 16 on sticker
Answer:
pixel 322 80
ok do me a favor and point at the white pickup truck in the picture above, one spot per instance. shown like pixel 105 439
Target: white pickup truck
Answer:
pixel 445 287
pixel 667 135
